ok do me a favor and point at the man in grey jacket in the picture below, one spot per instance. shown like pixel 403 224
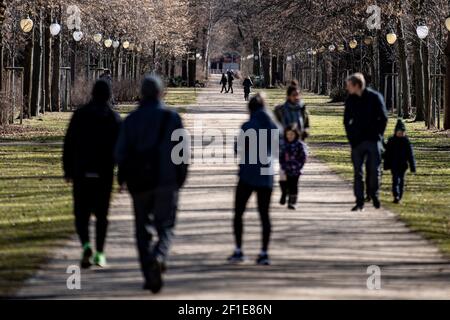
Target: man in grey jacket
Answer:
pixel 144 156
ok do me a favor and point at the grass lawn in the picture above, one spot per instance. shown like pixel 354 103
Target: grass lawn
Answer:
pixel 35 202
pixel 426 207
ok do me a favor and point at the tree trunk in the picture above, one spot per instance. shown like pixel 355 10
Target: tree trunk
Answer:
pixel 47 63
pixel 447 86
pixel 2 19
pixel 56 72
pixel 404 72
pixel 426 77
pixel 36 89
pixel 419 81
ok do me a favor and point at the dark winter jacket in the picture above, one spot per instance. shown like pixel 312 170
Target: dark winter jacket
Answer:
pixel 365 117
pixel 257 173
pixel 230 79
pixel 247 84
pixel 224 80
pixel 90 141
pixel 140 132
pixel 288 114
pixel 399 154
pixel 293 157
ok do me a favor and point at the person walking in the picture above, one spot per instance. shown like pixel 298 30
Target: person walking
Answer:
pixel 365 120
pixel 292 112
pixel 88 162
pixel 254 176
pixel 230 82
pixel 398 157
pixel 247 84
pixel 224 82
pixel 153 178
pixel 293 157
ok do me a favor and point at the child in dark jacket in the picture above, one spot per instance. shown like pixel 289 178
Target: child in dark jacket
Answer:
pixel 293 157
pixel 399 154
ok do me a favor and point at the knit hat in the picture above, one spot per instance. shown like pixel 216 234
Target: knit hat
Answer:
pixel 400 126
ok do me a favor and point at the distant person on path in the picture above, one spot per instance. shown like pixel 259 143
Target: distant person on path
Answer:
pixel 398 156
pixel 88 162
pixel 248 84
pixel 153 179
pixel 230 82
pixel 106 76
pixel 254 176
pixel 293 157
pixel 292 112
pixel 365 121
pixel 224 82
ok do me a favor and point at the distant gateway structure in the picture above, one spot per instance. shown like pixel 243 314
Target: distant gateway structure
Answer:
pixel 227 61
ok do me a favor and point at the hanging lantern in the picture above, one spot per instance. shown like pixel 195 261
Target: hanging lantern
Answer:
pixel 98 37
pixel 310 51
pixel 126 45
pixel 55 29
pixel 353 44
pixel 368 41
pixel 332 47
pixel 132 46
pixel 139 48
pixel 422 32
pixel 341 48
pixel 115 44
pixel 447 23
pixel 77 36
pixel 108 43
pixel 391 38
pixel 314 52
pixel 26 25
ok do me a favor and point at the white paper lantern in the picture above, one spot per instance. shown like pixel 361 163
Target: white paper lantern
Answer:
pixel 26 25
pixel 108 43
pixel 391 38
pixel 332 47
pixel 447 23
pixel 77 36
pixel 126 45
pixel 353 44
pixel 422 32
pixel 116 44
pixel 55 29
pixel 98 37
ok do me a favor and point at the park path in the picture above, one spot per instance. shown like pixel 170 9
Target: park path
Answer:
pixel 321 251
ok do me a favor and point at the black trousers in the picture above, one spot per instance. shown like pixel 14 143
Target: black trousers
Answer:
pixel 230 88
pixel 155 214
pixel 243 193
pixel 224 88
pixel 92 196
pixel 398 183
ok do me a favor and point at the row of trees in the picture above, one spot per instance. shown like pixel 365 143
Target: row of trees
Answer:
pixel 320 42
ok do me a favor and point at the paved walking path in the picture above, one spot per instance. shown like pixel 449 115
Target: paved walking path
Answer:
pixel 321 251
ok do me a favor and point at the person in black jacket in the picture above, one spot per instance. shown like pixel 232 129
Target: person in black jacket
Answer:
pixel 224 82
pixel 230 81
pixel 153 176
pixel 365 120
pixel 399 154
pixel 88 162
pixel 247 84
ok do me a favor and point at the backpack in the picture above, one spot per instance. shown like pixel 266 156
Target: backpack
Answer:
pixel 142 167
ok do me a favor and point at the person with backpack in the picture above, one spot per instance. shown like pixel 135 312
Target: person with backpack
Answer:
pixel 399 155
pixel 88 162
pixel 247 84
pixel 146 167
pixel 224 82
pixel 293 157
pixel 255 176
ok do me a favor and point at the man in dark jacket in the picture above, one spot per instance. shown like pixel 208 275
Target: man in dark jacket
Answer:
pixel 398 156
pixel 88 162
pixel 224 82
pixel 255 174
pixel 230 81
pixel 365 121
pixel 146 166
pixel 247 84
